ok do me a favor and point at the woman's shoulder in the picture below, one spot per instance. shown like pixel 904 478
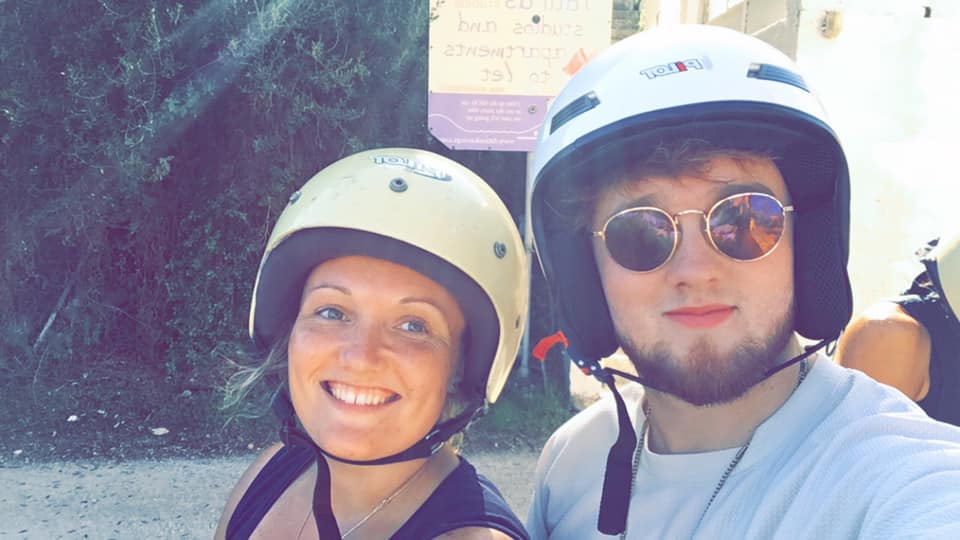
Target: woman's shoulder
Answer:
pixel 466 505
pixel 474 533
pixel 466 482
pixel 243 484
pixel 258 464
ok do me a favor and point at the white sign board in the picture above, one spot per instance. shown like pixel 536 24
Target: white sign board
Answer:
pixel 495 64
pixel 516 47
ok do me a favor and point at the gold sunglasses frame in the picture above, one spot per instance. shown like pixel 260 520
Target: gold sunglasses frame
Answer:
pixel 678 232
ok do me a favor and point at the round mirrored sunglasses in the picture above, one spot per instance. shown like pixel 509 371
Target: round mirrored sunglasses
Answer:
pixel 744 227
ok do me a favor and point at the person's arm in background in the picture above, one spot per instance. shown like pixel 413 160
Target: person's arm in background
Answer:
pixel 890 346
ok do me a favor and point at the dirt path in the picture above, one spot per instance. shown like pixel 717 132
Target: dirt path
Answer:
pixel 175 498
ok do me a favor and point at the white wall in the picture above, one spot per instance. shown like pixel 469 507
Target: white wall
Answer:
pixel 889 83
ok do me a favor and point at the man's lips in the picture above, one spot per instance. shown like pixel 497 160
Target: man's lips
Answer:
pixel 706 316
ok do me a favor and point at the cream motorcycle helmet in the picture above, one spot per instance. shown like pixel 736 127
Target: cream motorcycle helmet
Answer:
pixel 420 210
pixel 414 208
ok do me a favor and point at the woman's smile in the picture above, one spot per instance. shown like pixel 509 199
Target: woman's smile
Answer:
pixel 363 396
pixel 371 355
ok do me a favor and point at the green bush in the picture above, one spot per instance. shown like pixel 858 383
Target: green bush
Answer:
pixel 147 148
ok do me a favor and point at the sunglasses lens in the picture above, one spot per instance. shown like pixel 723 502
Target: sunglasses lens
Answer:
pixel 640 240
pixel 747 227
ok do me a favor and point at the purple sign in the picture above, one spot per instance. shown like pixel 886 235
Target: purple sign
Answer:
pixel 486 121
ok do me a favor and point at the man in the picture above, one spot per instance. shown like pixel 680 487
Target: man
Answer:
pixel 691 205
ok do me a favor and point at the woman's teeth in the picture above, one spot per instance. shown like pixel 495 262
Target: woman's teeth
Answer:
pixel 359 396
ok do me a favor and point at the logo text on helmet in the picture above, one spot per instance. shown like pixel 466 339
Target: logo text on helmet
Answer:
pixel 673 67
pixel 413 166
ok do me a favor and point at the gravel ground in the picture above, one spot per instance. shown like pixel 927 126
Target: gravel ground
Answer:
pixel 174 498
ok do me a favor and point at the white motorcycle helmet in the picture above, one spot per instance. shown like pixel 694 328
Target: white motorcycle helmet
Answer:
pixel 704 82
pixel 674 83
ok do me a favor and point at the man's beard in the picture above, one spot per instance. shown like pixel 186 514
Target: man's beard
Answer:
pixel 705 378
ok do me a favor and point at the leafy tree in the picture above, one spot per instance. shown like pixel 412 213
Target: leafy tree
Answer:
pixel 146 149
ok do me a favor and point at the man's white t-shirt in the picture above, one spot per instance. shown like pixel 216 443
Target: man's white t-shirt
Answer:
pixel 844 457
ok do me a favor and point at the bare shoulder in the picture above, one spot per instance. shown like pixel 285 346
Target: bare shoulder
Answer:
pixel 889 345
pixel 241 487
pixel 474 533
pixel 879 328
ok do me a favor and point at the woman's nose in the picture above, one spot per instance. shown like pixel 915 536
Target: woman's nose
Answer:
pixel 363 346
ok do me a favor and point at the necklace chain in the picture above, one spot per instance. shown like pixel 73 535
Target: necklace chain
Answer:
pixel 726 474
pixel 384 502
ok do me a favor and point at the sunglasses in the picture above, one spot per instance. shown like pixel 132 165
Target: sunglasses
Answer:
pixel 745 227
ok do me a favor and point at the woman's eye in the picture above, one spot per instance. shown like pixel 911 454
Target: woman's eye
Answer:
pixel 331 314
pixel 415 326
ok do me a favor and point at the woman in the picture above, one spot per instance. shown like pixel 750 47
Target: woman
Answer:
pixel 392 292
pixel 913 342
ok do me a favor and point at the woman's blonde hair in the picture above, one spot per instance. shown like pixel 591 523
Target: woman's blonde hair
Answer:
pixel 257 378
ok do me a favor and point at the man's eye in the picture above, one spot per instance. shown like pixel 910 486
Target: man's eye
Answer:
pixel 415 326
pixel 331 314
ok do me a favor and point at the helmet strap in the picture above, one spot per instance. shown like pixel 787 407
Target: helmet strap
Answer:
pixel 615 498
pixel 807 352
pixel 603 373
pixel 292 435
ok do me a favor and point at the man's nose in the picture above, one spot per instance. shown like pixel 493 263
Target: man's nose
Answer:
pixel 695 260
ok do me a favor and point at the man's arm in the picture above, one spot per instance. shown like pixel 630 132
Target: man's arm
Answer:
pixel 536 522
pixel 927 507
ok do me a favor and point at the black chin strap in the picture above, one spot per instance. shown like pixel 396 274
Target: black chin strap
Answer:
pixel 292 435
pixel 807 352
pixel 615 499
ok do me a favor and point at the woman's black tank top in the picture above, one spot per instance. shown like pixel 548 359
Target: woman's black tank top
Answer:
pixel 463 499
